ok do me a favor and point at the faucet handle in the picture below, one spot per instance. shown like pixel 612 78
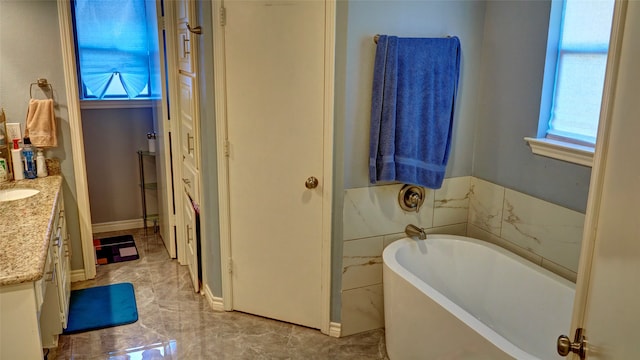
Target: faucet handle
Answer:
pixel 415 200
pixel 411 197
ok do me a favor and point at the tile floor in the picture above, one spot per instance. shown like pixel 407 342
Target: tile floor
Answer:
pixel 176 323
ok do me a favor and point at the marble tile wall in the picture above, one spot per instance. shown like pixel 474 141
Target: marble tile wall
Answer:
pixel 544 233
pixel 373 219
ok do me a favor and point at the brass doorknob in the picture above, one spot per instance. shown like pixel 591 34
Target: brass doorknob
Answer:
pixel 578 346
pixel 311 182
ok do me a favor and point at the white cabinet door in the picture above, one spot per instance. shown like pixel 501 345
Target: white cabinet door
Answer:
pixel 191 245
pixel 184 15
pixel 187 127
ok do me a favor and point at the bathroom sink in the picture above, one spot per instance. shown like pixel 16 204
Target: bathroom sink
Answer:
pixel 16 194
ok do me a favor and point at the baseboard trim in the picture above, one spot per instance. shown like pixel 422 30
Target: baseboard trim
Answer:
pixel 78 275
pixel 215 302
pixel 335 329
pixel 117 225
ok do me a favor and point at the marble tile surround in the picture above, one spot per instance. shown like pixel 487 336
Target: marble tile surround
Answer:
pixel 374 211
pixel 536 227
pixel 372 220
pixel 173 317
pixel 544 233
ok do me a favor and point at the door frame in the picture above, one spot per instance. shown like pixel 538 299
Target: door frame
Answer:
pixel 174 128
pixel 65 24
pixel 165 124
pixel 596 185
pixel 77 139
pixel 223 164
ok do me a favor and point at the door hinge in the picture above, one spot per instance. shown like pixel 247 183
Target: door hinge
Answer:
pixel 226 148
pixel 223 16
pixel 230 266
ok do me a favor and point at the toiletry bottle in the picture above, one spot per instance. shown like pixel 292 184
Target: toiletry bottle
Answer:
pixel 41 165
pixel 4 170
pixel 28 159
pixel 16 158
pixel 151 138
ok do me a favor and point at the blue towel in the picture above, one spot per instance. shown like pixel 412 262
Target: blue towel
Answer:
pixel 415 81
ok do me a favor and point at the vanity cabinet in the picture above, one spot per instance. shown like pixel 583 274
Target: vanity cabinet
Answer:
pixel 57 280
pixel 34 313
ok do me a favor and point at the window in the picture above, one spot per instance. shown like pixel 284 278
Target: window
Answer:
pixel 579 32
pixel 115 46
pixel 581 64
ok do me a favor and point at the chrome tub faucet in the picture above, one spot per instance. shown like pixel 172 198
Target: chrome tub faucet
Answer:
pixel 413 231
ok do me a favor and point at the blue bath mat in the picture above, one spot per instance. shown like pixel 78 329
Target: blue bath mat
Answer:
pixel 101 307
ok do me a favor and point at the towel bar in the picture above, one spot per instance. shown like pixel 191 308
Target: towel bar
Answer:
pixel 377 36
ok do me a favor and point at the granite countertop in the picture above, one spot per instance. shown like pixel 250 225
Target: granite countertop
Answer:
pixel 25 230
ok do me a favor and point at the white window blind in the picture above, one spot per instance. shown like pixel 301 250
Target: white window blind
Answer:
pixel 580 70
pixel 113 47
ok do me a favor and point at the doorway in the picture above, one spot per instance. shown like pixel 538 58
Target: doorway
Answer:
pixel 125 138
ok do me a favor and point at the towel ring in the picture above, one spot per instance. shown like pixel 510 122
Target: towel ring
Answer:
pixel 42 83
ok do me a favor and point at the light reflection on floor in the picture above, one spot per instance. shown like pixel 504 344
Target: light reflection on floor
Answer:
pixel 164 351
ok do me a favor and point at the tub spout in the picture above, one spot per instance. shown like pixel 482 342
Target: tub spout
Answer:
pixel 412 230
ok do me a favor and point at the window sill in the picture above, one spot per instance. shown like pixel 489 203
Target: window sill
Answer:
pixel 117 104
pixel 577 154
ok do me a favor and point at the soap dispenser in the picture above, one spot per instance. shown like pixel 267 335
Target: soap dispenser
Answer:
pixel 16 158
pixel 41 164
pixel 29 159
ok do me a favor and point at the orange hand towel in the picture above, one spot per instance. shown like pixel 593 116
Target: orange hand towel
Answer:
pixel 41 123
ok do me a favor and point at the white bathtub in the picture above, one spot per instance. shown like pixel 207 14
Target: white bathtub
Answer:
pixel 452 297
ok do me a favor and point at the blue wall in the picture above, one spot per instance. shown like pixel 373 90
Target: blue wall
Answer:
pixel 514 49
pixel 503 54
pixel 503 59
pixel 357 23
pixel 30 48
pixel 365 19
pixel 111 139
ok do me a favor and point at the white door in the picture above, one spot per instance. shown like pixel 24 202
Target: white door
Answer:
pixel 186 126
pixel 610 311
pixel 163 149
pixel 275 76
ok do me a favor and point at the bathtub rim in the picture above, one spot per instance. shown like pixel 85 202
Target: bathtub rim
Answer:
pixel 391 263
